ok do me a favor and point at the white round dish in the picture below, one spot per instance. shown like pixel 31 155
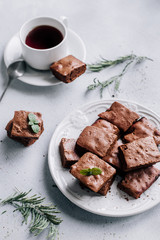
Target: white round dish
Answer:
pixel 13 51
pixel 116 203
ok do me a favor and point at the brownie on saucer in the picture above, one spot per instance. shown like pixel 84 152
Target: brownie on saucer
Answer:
pixel 96 140
pixel 68 69
pixel 20 130
pixel 120 116
pixel 142 128
pixel 90 161
pixel 139 153
pixel 138 181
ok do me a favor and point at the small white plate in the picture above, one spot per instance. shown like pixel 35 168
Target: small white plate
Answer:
pixel 34 77
pixel 116 203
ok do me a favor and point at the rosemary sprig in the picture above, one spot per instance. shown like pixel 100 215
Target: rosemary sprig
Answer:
pixel 42 216
pixel 117 78
pixel 104 63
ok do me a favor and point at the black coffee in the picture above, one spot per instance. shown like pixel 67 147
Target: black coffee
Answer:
pixel 43 37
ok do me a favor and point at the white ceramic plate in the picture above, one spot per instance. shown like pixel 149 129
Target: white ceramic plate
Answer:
pixel 34 77
pixel 116 203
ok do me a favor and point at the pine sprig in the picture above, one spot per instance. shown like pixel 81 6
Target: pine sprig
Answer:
pixel 117 78
pixel 42 216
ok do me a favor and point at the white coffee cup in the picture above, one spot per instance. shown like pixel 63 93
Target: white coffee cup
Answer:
pixel 41 59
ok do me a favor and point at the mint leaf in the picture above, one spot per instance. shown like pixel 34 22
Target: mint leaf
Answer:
pixel 85 172
pixel 96 171
pixel 33 122
pixel 36 122
pixel 90 171
pixel 32 117
pixel 35 128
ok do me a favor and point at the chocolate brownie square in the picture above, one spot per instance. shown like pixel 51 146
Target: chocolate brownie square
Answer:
pixel 109 127
pixel 96 140
pixel 94 182
pixel 67 152
pixel 138 181
pixel 112 156
pixel 139 153
pixel 120 116
pixel 21 128
pixel 68 69
pixel 142 128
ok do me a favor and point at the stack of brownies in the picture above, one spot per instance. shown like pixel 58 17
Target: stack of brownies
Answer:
pixel 19 129
pixel 119 141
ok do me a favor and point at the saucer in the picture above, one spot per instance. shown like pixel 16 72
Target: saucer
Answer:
pixel 35 77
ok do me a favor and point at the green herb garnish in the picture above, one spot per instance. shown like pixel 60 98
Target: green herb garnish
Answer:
pixel 104 63
pixel 33 122
pixel 90 171
pixel 42 216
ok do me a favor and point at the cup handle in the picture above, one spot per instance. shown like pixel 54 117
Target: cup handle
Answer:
pixel 64 20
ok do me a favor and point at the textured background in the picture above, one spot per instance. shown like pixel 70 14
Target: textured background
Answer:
pixel 109 28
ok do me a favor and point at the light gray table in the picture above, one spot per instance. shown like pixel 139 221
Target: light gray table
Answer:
pixel 109 28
